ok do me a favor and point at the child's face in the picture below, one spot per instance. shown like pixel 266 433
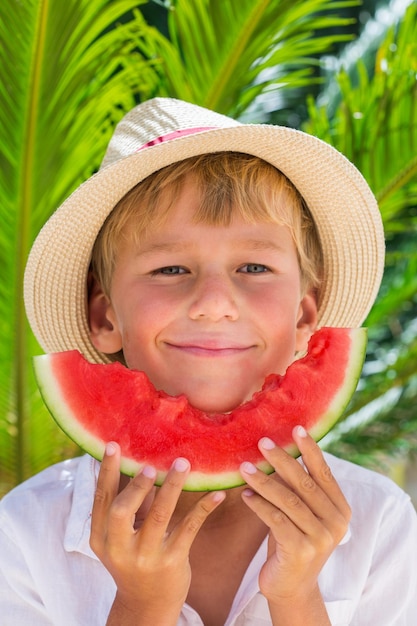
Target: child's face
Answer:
pixel 204 310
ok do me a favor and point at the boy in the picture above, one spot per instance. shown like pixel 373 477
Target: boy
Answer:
pixel 211 250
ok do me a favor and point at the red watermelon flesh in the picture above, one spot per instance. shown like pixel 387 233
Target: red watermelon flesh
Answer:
pixel 97 403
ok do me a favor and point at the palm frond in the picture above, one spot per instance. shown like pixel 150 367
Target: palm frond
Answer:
pixel 67 72
pixel 222 54
pixel 375 125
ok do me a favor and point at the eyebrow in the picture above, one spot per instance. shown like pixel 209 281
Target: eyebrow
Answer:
pixel 261 244
pixel 184 246
pixel 167 246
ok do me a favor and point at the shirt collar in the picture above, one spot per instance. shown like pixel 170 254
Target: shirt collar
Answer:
pixel 77 533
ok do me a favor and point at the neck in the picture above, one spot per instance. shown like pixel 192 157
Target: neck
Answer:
pixel 232 511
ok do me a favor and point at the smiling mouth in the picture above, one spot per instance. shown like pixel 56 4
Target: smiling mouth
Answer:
pixel 210 350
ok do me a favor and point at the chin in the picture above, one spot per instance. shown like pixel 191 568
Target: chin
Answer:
pixel 213 396
pixel 208 404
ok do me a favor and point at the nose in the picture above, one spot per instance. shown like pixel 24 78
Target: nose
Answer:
pixel 214 299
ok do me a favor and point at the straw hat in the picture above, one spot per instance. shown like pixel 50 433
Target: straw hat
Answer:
pixel 162 131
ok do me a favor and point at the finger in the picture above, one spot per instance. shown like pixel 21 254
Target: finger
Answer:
pixel 278 499
pixel 319 470
pixel 328 505
pixel 122 512
pixel 316 486
pixel 296 550
pixel 155 526
pixel 283 529
pixel 106 490
pixel 185 532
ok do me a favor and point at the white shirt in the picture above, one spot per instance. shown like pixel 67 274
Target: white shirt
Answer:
pixel 49 575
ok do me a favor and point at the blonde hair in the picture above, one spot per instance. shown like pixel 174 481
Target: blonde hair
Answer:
pixel 230 183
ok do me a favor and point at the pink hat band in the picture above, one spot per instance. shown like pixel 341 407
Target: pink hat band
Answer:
pixel 174 135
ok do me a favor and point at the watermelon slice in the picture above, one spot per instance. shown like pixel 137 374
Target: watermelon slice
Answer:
pixel 97 403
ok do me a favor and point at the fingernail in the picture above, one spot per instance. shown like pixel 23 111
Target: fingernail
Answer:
pixel 266 443
pixel 110 449
pixel 248 468
pixel 248 493
pixel 300 431
pixel 149 471
pixel 181 465
pixel 218 496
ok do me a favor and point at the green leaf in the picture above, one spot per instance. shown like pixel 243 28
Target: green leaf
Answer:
pixel 68 70
pixel 375 124
pixel 223 50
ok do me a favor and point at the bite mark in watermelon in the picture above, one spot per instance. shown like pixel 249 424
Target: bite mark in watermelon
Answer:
pixel 97 403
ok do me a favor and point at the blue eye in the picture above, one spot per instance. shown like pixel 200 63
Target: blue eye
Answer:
pixel 254 268
pixel 170 270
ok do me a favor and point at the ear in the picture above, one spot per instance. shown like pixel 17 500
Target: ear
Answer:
pixel 104 331
pixel 307 320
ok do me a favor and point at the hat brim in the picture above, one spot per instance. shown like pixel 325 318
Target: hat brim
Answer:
pixel 343 207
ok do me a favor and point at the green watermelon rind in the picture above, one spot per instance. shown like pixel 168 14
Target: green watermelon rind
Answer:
pixel 357 353
pixel 196 481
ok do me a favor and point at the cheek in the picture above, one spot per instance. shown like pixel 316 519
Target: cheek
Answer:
pixel 278 319
pixel 141 328
pixel 280 309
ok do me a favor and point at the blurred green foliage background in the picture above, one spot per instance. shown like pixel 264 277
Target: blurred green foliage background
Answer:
pixel 341 70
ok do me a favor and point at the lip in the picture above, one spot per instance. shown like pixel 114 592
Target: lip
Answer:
pixel 210 348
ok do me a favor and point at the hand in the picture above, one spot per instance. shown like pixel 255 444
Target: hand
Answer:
pixel 149 564
pixel 307 515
